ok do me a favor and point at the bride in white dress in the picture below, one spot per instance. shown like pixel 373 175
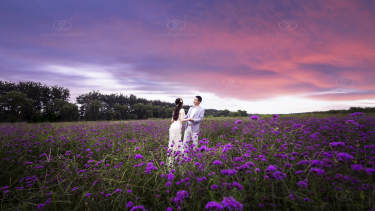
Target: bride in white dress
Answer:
pixel 175 145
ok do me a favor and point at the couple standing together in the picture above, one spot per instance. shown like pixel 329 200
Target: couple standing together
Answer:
pixel 176 146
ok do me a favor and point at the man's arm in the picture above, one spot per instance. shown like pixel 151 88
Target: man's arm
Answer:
pixel 188 114
pixel 200 117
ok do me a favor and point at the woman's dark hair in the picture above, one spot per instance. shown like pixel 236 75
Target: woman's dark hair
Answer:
pixel 177 108
pixel 199 98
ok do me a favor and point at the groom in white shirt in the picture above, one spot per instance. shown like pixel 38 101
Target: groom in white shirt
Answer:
pixel 194 116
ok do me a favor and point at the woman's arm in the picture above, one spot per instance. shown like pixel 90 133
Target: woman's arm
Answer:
pixel 186 118
pixel 182 115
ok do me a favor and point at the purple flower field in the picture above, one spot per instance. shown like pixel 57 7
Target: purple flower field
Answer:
pixel 324 163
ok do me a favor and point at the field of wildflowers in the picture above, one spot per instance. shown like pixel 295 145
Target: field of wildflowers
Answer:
pixel 276 162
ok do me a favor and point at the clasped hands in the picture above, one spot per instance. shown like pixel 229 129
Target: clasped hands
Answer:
pixel 188 119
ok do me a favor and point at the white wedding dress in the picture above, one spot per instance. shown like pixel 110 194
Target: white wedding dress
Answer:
pixel 175 145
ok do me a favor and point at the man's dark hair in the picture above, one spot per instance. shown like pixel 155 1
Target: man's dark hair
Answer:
pixel 199 98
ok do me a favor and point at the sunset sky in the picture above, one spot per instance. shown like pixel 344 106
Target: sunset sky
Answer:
pixel 262 56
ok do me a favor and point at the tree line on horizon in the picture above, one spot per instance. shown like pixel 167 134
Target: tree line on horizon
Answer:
pixel 36 102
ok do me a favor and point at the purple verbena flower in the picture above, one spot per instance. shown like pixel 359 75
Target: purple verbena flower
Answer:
pixel 231 203
pixel 180 196
pixel 318 171
pixel 138 156
pixel 213 205
pixel 302 184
